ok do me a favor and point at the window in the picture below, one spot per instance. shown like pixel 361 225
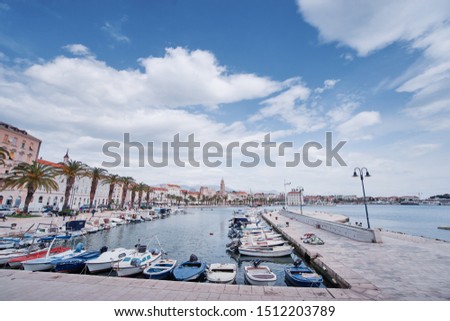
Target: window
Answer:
pixel 23 145
pixel 40 199
pixel 14 141
pixel 6 139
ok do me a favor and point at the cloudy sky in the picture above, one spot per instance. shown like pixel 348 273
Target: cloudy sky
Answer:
pixel 375 74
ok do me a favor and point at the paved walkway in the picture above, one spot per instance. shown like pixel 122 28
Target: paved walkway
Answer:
pixel 403 267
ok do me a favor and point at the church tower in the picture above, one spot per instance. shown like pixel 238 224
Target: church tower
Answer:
pixel 66 157
pixel 222 187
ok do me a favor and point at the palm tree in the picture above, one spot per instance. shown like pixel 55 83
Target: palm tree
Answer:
pixel 134 190
pixel 96 174
pixel 141 187
pixel 112 180
pixel 149 190
pixel 32 177
pixel 125 181
pixel 4 155
pixel 71 170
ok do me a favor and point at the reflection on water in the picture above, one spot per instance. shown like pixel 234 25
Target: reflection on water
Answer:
pixel 200 232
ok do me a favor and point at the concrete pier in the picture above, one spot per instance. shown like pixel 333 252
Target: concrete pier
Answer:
pixel 402 267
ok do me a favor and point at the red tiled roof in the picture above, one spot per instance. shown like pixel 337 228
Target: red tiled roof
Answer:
pixel 45 162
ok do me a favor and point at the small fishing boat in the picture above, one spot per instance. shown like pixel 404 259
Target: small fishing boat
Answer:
pixel 137 261
pixel 191 270
pixel 106 259
pixel 75 263
pixel 266 251
pixel 221 273
pixel 160 269
pixel 43 251
pixel 48 262
pixel 257 274
pixel 301 275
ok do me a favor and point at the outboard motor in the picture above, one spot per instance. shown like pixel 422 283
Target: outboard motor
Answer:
pixel 256 262
pixel 103 249
pixel 193 258
pixel 142 248
pixel 297 262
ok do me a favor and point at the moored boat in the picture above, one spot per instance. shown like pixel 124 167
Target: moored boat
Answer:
pixel 301 275
pixel 137 261
pixel 75 263
pixel 266 251
pixel 257 274
pixel 191 270
pixel 221 273
pixel 106 259
pixel 160 269
pixel 48 262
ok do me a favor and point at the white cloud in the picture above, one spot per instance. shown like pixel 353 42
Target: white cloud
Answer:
pixel 353 127
pixel 368 25
pixel 78 49
pixel 290 107
pixel 114 30
pixel 327 84
pixel 423 26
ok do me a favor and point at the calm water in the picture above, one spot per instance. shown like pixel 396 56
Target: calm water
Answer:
pixel 421 220
pixel 200 232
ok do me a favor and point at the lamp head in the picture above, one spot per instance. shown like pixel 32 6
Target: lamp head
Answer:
pixel 354 174
pixel 367 174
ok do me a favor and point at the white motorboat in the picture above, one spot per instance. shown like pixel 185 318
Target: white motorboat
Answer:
pixel 249 241
pixel 137 261
pixel 221 273
pixel 266 251
pixel 106 260
pixel 259 274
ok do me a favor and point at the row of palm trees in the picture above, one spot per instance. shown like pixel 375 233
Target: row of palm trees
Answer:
pixel 37 175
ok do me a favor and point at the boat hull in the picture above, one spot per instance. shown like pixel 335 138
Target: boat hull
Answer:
pixel 160 270
pixel 277 251
pixel 302 277
pixel 259 276
pixel 189 271
pixel 221 273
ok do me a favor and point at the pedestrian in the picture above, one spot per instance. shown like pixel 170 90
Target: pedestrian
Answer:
pixel 93 212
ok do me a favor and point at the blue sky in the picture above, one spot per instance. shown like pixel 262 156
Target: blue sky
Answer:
pixel 78 74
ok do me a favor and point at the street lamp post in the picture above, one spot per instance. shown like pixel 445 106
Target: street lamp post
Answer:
pixel 363 172
pixel 300 190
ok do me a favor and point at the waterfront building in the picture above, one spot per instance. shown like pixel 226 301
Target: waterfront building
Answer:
pixel 22 147
pixel 173 189
pixel 293 197
pixel 159 195
pixel 79 195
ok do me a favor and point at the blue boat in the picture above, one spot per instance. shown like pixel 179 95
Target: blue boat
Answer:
pixel 191 270
pixel 76 263
pixel 301 275
pixel 160 269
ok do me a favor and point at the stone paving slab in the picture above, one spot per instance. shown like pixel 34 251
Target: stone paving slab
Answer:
pixel 20 285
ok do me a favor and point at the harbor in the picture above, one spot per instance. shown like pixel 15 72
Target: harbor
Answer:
pixel 358 270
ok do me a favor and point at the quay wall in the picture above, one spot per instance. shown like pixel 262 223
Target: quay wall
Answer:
pixel 351 232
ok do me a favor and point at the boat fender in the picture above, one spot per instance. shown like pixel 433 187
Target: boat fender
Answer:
pixel 79 247
pixel 193 258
